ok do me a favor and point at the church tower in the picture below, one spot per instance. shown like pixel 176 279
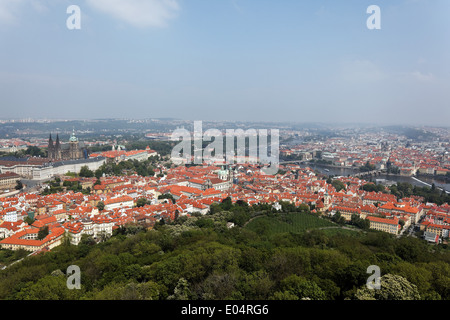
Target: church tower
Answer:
pixel 224 172
pixel 327 200
pixel 51 148
pixel 62 151
pixel 74 150
pixel 57 151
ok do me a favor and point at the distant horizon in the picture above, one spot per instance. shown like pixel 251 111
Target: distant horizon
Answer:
pixel 319 123
pixel 231 60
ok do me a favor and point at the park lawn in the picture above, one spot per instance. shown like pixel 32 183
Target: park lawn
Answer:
pixel 290 222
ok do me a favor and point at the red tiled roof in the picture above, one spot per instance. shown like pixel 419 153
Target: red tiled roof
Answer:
pixel 393 221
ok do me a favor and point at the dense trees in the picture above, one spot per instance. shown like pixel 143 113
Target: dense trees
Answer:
pixel 372 187
pixel 142 168
pixel 338 185
pixel 360 223
pixel 28 220
pixel 141 202
pixel 42 233
pixel 55 186
pixel 295 287
pixel 100 205
pixel 393 287
pixel 367 167
pixel 338 218
pixel 9 256
pixel 86 172
pixel 30 151
pixel 19 185
pixel 162 147
pixel 35 151
pixel 430 194
pixel 201 258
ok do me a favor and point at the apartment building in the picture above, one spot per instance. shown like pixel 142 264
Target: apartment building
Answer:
pixel 384 224
pixel 8 180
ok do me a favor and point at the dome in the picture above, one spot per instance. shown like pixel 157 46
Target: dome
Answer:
pixel 73 138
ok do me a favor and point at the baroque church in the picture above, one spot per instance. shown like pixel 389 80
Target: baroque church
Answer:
pixel 72 151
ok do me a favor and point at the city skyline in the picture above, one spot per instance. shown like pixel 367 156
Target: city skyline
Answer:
pixel 227 60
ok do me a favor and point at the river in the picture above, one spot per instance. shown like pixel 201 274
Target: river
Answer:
pixel 420 182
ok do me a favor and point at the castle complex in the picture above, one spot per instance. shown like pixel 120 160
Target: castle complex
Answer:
pixel 72 151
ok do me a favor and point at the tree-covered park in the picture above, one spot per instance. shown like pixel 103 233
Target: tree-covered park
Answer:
pixel 202 257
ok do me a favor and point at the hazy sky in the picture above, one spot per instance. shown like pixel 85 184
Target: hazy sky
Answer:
pixel 277 60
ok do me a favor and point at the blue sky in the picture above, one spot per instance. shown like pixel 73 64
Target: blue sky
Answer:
pixel 251 60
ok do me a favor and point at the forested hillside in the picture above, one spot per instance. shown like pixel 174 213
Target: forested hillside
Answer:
pixel 203 258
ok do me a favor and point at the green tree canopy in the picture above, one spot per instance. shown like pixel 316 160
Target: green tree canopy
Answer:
pixel 43 232
pixel 393 287
pixel 86 172
pixel 101 205
pixel 296 286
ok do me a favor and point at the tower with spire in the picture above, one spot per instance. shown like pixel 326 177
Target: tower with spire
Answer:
pixel 51 147
pixel 71 151
pixel 57 148
pixel 74 150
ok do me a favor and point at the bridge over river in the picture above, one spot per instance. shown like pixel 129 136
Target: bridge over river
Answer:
pixel 369 173
pixel 335 170
pixel 378 174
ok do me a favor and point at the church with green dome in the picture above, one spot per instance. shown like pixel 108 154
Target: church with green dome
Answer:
pixel 73 150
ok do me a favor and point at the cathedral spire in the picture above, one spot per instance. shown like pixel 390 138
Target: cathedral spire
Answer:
pixel 73 138
pixel 57 148
pixel 50 147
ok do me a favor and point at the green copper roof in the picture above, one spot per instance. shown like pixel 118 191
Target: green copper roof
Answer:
pixel 73 138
